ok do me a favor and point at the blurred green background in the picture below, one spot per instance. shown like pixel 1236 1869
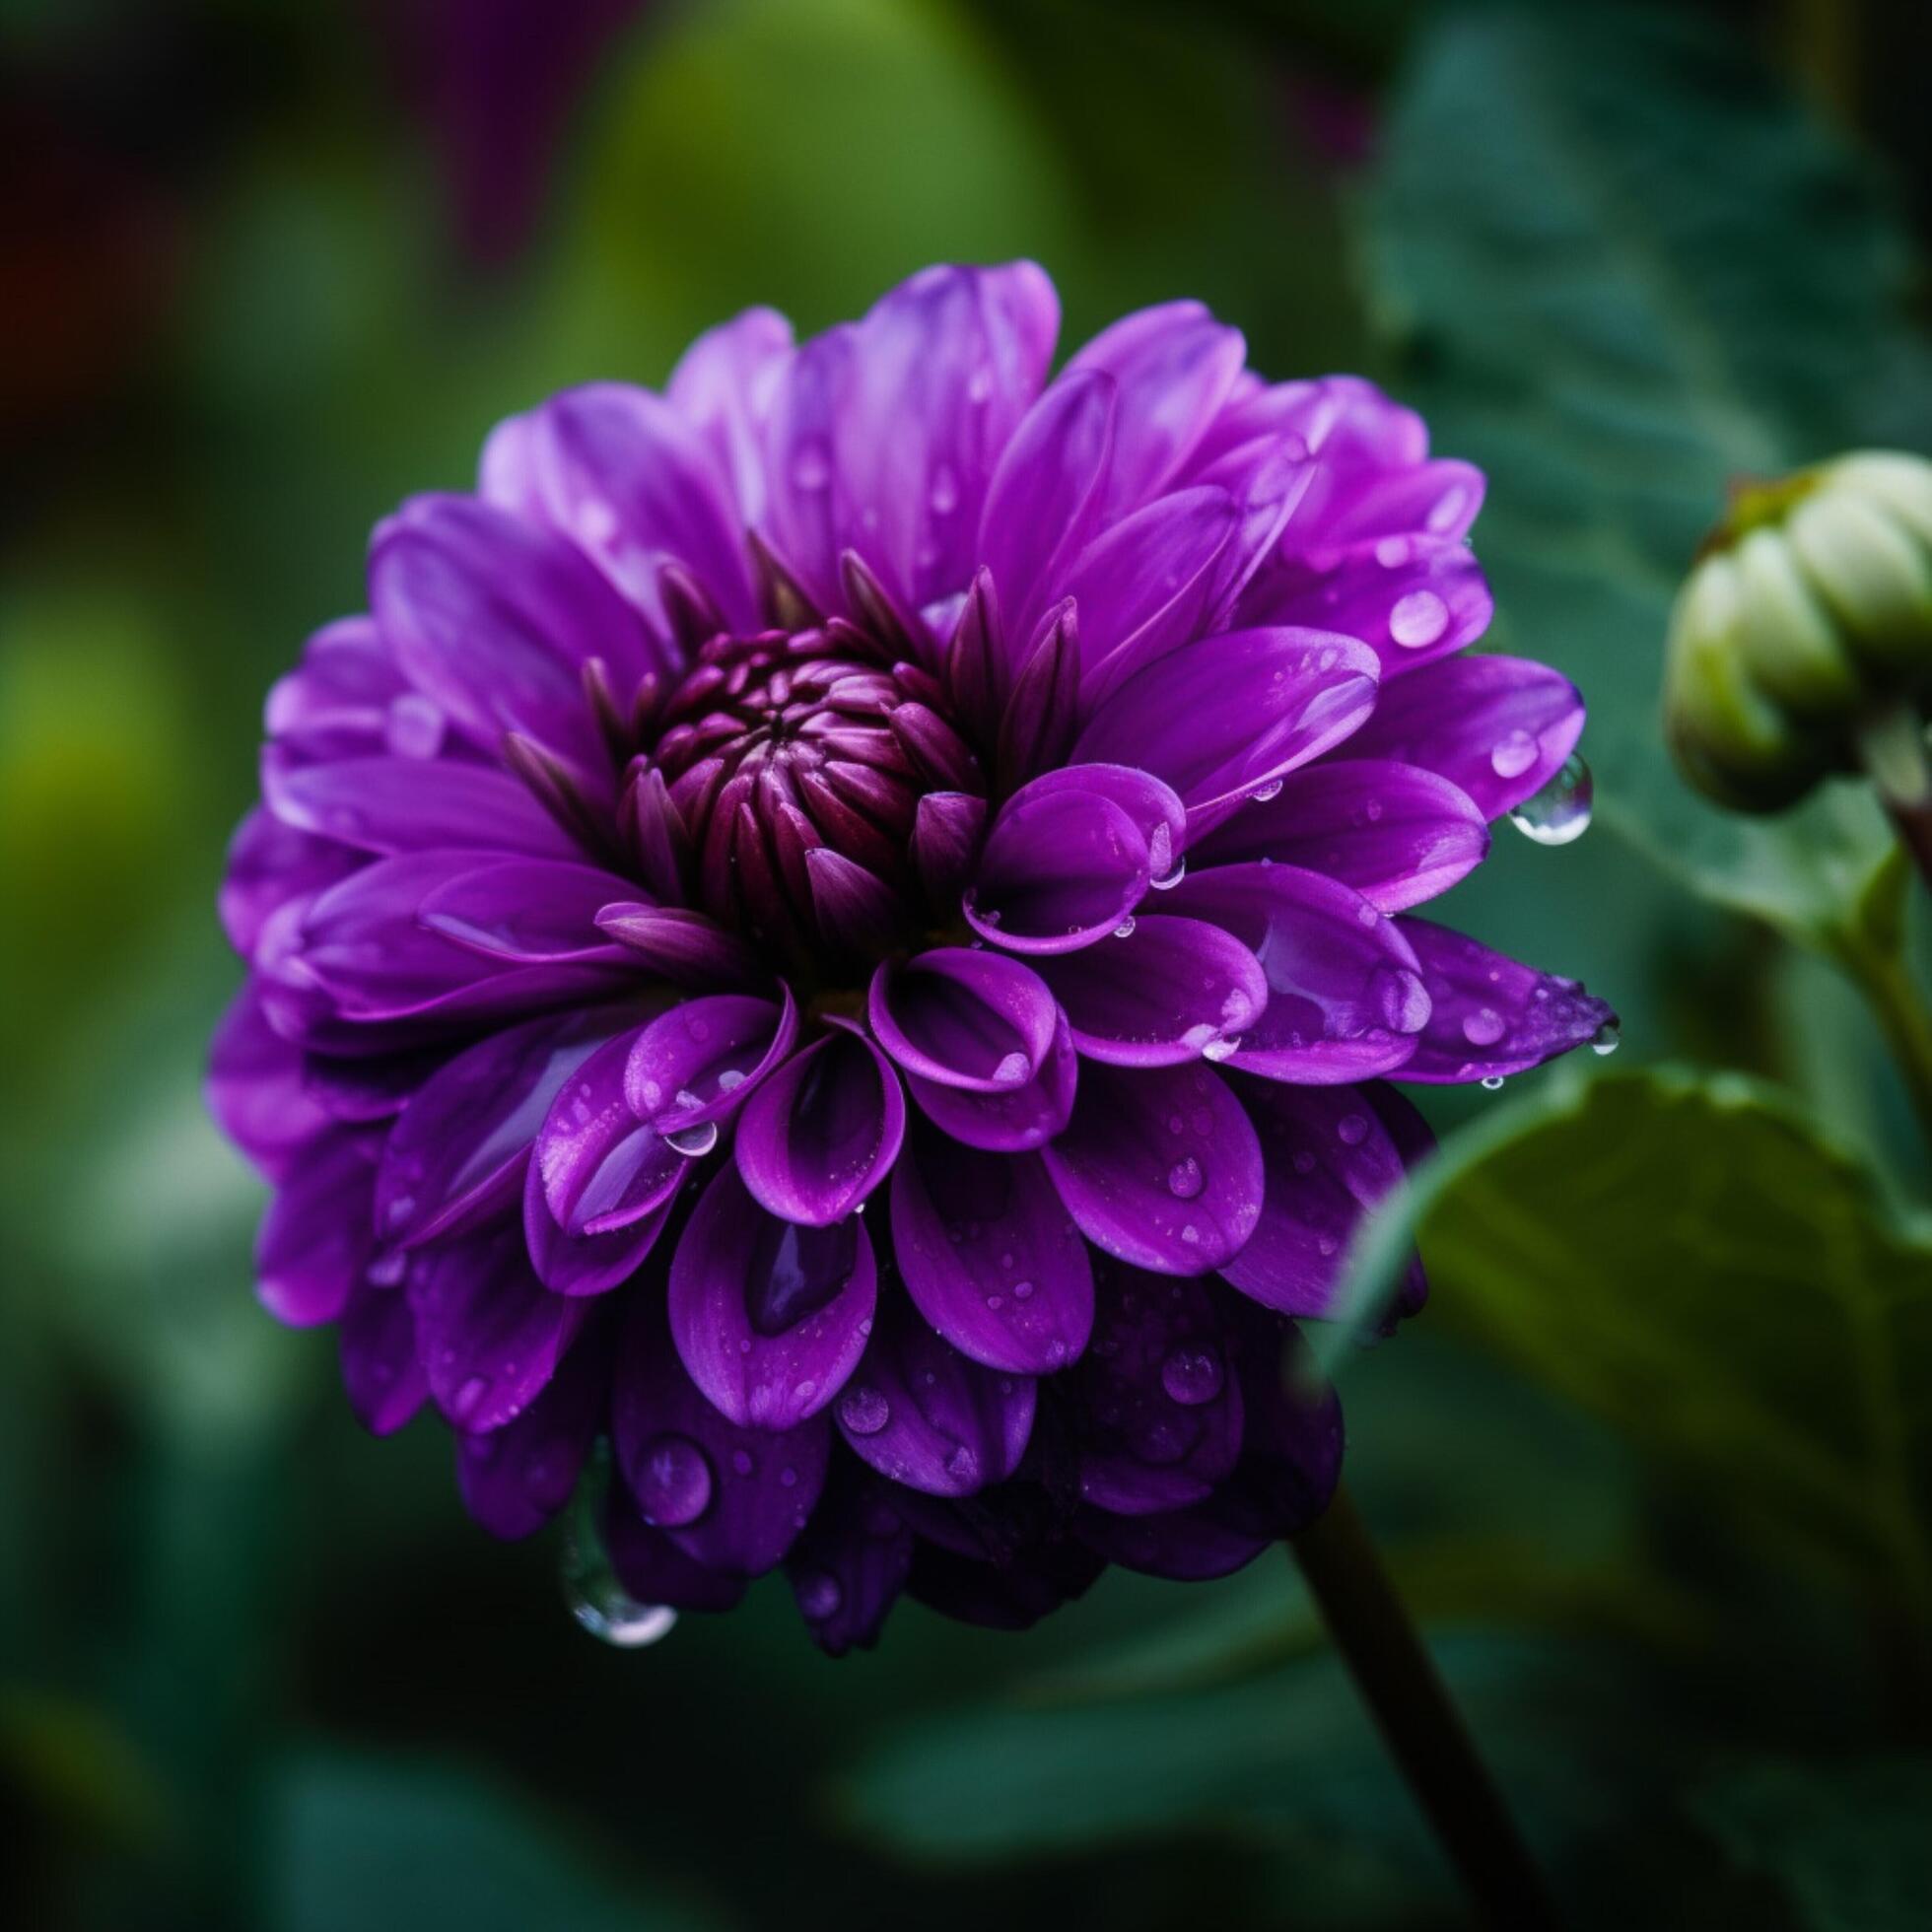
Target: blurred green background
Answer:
pixel 1652 1467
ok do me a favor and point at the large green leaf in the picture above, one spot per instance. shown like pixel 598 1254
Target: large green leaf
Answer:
pixel 1625 268
pixel 1688 1259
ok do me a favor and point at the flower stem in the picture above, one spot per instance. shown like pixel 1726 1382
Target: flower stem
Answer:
pixel 1891 748
pixel 1424 1733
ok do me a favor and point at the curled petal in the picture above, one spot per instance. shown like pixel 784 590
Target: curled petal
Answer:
pixel 1395 832
pixel 1329 1159
pixel 686 947
pixel 1159 1167
pixel 1165 992
pixel 976 1020
pixel 948 828
pixel 1008 1120
pixel 529 911
pixel 729 1497
pixel 700 1063
pixel 823 1131
pixel 1491 1016
pixel 586 1262
pixel 1231 713
pixel 1157 813
pixel 410 805
pixel 597 1166
pixel 1499 727
pixel 990 1255
pixel 1061 870
pixel 1158 1401
pixel 489 1334
pixel 923 1415
pixel 1345 997
pixel 769 1317
pixel 515 1479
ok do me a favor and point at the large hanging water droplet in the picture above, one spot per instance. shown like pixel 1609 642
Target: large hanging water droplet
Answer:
pixel 1559 813
pixel 1606 1039
pixel 693 1142
pixel 596 1599
pixel 1492 1083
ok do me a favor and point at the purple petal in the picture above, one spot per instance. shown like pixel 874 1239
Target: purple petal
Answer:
pixel 1164 992
pixel 948 833
pixel 1174 366
pixel 457 1153
pixel 268 865
pixel 1159 1167
pixel 653 1568
pixel 850 1565
pixel 409 804
pixel 1158 1402
pixel 1043 504
pixel 598 1167
pixel 686 947
pixel 1157 813
pixel 990 1255
pixel 1014 1118
pixel 856 910
pixel 593 1261
pixel 701 1062
pixel 1328 1159
pixel 381 1373
pixel 923 1415
pixel 493 618
pixel 317 1236
pixel 257 1092
pixel 1395 832
pixel 529 911
pixel 823 1132
pixel 489 1334
pixel 769 1317
pixel 1061 868
pixel 884 433
pixel 337 701
pixel 1234 713
pixel 515 1479
pixel 1344 997
pixel 731 1497
pixel 976 1020
pixel 724 386
pixel 1491 1016
pixel 1499 727
pixel 1041 714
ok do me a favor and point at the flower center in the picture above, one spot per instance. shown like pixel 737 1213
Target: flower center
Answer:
pixel 796 761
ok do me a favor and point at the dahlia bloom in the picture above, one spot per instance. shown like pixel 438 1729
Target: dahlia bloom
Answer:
pixel 871 774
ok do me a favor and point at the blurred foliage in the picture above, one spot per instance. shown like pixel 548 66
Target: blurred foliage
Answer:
pixel 1668 1398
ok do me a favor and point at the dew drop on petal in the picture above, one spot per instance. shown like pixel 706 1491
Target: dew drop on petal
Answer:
pixel 819 1595
pixel 673 1482
pixel 865 1411
pixel 1168 880
pixel 1185 1179
pixel 1606 1039
pixel 1125 929
pixel 1560 812
pixel 1192 1375
pixel 693 1142
pixel 1419 620
pixel 1261 794
pixel 1513 755
pixel 1014 1070
pixel 1400 998
pixel 1352 1130
pixel 1484 1027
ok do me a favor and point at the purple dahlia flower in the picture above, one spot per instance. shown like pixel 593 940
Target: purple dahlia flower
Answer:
pixel 871 774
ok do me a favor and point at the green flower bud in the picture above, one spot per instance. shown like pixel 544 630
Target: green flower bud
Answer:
pixel 1807 618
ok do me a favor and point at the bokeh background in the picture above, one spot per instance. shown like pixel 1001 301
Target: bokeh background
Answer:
pixel 1650 1468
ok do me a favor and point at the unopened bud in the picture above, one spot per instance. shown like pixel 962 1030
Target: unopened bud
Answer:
pixel 1808 616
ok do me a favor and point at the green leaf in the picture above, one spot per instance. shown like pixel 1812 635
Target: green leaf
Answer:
pixel 1625 268
pixel 397 1846
pixel 1846 1841
pixel 1687 1258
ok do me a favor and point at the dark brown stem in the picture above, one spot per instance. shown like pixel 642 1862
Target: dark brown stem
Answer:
pixel 1424 1733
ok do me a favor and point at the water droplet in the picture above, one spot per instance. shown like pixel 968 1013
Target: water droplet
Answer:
pixel 1193 1375
pixel 1185 1179
pixel 1023 1290
pixel 1484 1027
pixel 1014 1070
pixel 1352 1130
pixel 1125 929
pixel 1512 756
pixel 730 1081
pixel 1560 812
pixel 1449 508
pixel 1606 1039
pixel 673 1482
pixel 811 468
pixel 963 1466
pixel 1261 794
pixel 1419 620
pixel 945 491
pixel 693 1142
pixel 1168 880
pixel 1401 998
pixel 819 1595
pixel 598 1602
pixel 1223 1048
pixel 865 1411
pixel 1493 1082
